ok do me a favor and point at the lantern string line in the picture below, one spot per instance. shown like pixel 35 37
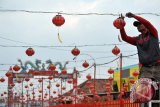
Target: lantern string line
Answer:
pixel 49 12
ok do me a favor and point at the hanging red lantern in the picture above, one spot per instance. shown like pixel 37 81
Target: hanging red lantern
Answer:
pixel 52 67
pixel 57 85
pixel 5 92
pixel 88 83
pixel 69 81
pixel 135 73
pixel 31 84
pixel 40 80
pixel 64 72
pixel 26 86
pixel 63 88
pixel 12 84
pixel 33 92
pixel 30 52
pixel 2 95
pixel 40 91
pixel 110 71
pixel 119 23
pixel 75 51
pixel 2 79
pixel 85 64
pixel 115 50
pixel 58 20
pixel 131 81
pixel 50 77
pixel 48 86
pixel 27 79
pixel 54 92
pixel 110 79
pixel 8 74
pixel 88 77
pixel 19 81
pixel 16 68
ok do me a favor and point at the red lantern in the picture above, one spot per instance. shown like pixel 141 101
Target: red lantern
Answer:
pixel 135 73
pixel 5 92
pixel 115 50
pixel 50 77
pixel 110 79
pixel 26 86
pixel 40 91
pixel 40 80
pixel 2 79
pixel 12 84
pixel 19 81
pixel 31 84
pixel 64 72
pixel 131 81
pixel 48 86
pixel 58 20
pixel 54 92
pixel 85 64
pixel 88 83
pixel 119 23
pixel 88 77
pixel 30 52
pixel 16 68
pixel 8 74
pixel 57 85
pixel 110 71
pixel 75 51
pixel 27 79
pixel 52 67
pixel 63 88
pixel 69 81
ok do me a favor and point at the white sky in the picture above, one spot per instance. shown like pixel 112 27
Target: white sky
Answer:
pixel 37 29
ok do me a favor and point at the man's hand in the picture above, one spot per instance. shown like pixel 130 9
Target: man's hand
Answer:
pixel 129 15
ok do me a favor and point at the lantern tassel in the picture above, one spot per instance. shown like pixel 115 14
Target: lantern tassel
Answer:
pixel 59 38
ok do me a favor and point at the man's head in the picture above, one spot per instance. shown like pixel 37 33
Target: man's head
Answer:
pixel 140 27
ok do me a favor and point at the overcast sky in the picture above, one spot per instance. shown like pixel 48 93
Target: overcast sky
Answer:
pixel 19 28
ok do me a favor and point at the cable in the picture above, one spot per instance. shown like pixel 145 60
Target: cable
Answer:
pixel 50 12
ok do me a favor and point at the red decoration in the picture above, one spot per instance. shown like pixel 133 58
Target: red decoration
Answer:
pixel 26 86
pixel 16 68
pixel 30 52
pixel 64 72
pixel 8 74
pixel 58 20
pixel 88 77
pixel 52 67
pixel 131 81
pixel 110 71
pixel 63 88
pixel 12 84
pixel 85 64
pixel 88 83
pixel 54 92
pixel 119 23
pixel 5 92
pixel 19 81
pixel 48 86
pixel 27 79
pixel 69 81
pixel 115 50
pixel 75 51
pixel 135 73
pixel 31 84
pixel 40 80
pixel 110 79
pixel 50 77
pixel 57 85
pixel 2 79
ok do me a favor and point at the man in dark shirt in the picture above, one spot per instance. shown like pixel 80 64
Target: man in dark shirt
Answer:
pixel 147 44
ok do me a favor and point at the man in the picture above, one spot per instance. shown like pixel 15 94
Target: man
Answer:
pixel 147 44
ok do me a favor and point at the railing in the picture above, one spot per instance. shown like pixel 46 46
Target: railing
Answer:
pixel 117 103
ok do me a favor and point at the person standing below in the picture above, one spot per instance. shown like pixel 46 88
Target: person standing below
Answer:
pixel 147 44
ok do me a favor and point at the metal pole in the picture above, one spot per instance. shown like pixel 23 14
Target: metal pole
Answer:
pixel 42 94
pixel 49 91
pixel 120 79
pixel 94 79
pixel 27 98
pixel 22 93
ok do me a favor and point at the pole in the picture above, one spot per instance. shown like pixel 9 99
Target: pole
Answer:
pixel 49 91
pixel 27 98
pixel 94 79
pixel 121 79
pixel 22 94
pixel 42 94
